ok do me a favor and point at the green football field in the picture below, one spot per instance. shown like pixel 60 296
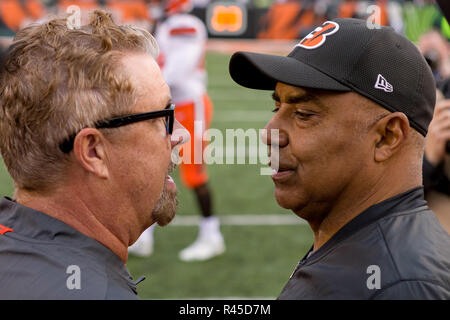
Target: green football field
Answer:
pixel 259 259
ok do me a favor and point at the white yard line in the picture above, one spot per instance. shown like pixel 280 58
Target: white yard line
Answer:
pixel 259 99
pixel 242 116
pixel 242 220
pixel 281 47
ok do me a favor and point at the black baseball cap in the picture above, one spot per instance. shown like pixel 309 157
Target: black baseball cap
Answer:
pixel 349 55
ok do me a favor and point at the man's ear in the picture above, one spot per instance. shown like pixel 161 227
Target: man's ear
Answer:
pixel 90 152
pixel 392 131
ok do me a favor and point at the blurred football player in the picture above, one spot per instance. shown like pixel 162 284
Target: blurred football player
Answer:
pixel 182 40
pixel 133 12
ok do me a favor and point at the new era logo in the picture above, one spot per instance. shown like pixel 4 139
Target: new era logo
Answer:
pixel 383 84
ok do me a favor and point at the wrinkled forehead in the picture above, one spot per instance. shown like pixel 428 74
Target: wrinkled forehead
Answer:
pixel 148 84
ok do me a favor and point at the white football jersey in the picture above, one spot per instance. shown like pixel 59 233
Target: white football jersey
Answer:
pixel 182 41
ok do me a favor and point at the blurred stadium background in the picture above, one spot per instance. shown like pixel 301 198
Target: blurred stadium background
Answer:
pixel 263 249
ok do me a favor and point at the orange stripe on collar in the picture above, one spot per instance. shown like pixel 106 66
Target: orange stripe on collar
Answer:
pixel 4 229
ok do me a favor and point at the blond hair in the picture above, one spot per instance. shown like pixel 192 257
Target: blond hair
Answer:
pixel 54 82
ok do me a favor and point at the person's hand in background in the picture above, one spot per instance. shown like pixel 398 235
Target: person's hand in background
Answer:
pixel 438 133
pixel 435 48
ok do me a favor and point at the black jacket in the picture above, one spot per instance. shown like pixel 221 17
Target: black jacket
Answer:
pixel 395 249
pixel 44 258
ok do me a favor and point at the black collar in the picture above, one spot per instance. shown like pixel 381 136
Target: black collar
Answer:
pixel 42 228
pixel 405 201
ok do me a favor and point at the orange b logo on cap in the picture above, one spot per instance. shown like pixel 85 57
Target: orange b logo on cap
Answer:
pixel 317 37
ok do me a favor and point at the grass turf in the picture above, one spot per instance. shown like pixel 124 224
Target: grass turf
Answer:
pixel 259 259
pixel 257 263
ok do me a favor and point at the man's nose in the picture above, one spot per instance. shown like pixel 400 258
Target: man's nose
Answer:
pixel 179 134
pixel 273 134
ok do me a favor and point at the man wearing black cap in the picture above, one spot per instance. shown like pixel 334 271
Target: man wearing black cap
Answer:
pixel 352 107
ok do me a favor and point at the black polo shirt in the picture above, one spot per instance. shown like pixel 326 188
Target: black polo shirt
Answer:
pixel 44 258
pixel 395 249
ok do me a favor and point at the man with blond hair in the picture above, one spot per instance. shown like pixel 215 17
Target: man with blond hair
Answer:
pixel 352 109
pixel 86 124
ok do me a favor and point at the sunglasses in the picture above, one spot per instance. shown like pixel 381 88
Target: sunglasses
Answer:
pixel 169 114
